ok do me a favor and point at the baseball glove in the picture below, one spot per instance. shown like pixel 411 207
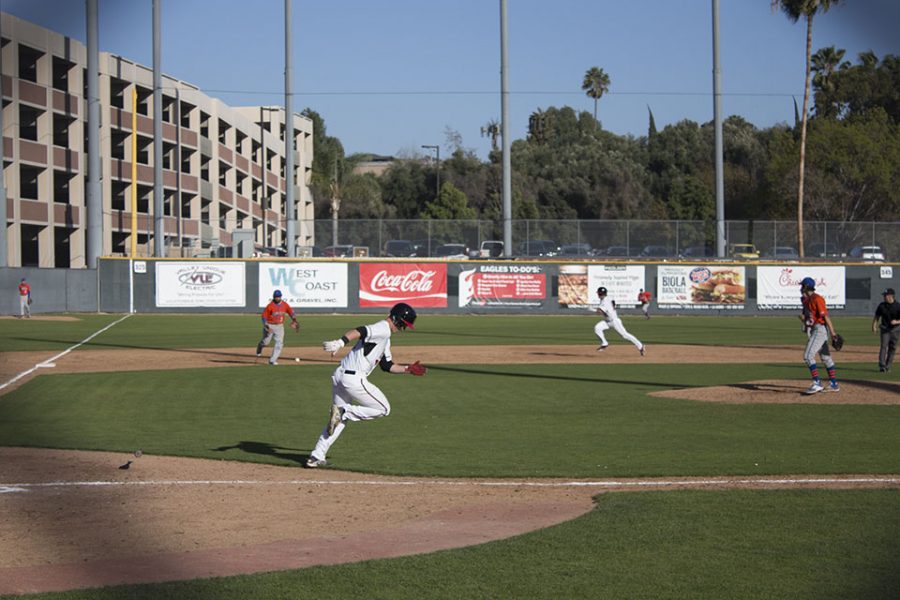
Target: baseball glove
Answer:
pixel 837 341
pixel 417 368
pixel 295 326
pixel 30 301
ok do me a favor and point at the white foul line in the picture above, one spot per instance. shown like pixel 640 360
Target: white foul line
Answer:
pixel 50 362
pixel 15 487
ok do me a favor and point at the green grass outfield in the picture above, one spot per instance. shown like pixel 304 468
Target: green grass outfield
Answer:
pixel 591 421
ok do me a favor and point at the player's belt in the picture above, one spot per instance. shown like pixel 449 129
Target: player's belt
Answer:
pixel 349 372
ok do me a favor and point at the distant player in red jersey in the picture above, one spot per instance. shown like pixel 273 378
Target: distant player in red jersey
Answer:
pixel 644 299
pixel 273 325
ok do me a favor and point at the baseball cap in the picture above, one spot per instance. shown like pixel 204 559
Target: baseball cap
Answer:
pixel 888 291
pixel 601 290
pixel 276 294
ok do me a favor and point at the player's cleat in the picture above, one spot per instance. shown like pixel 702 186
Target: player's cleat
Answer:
pixel 336 413
pixel 833 387
pixel 815 388
pixel 602 348
pixel 274 363
pixel 259 348
pixel 314 463
pixel 643 350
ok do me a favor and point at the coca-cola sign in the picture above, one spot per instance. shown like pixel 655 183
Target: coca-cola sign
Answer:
pixel 385 284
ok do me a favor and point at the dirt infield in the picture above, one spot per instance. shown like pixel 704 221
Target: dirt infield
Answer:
pixel 76 519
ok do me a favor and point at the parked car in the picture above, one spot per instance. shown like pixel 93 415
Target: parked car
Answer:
pixel 824 251
pixel 617 251
pixel 339 250
pixel 783 253
pixel 576 250
pixel 698 252
pixel 538 248
pixel 655 251
pixel 452 251
pixel 743 251
pixel 399 248
pixel 491 249
pixel 867 253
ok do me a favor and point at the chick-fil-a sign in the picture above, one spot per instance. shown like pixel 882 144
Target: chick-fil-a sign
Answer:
pixel 385 284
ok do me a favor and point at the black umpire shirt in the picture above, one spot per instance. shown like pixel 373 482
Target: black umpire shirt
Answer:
pixel 887 313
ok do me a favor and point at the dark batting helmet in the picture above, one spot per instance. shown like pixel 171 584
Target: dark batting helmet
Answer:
pixel 403 315
pixel 601 291
pixel 808 283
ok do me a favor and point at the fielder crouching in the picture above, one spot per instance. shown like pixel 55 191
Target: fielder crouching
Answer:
pixel 354 398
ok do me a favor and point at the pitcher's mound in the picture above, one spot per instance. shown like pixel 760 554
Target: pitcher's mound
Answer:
pixel 784 391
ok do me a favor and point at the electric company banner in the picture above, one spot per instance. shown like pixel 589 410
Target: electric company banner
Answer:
pixel 419 285
pixel 304 284
pixel 503 285
pixel 200 284
pixel 779 287
pixel 705 287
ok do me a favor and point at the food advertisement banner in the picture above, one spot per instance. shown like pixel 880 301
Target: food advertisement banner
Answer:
pixel 779 287
pixel 708 287
pixel 503 285
pixel 419 285
pixel 304 284
pixel 578 284
pixel 183 284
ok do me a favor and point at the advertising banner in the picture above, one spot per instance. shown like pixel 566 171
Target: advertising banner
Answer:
pixel 503 285
pixel 710 287
pixel 578 284
pixel 779 287
pixel 214 284
pixel 304 284
pixel 419 285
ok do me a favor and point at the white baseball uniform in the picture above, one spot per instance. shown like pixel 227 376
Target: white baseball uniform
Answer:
pixel 350 387
pixel 612 320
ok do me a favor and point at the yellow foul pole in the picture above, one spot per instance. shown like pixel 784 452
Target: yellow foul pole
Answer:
pixel 134 171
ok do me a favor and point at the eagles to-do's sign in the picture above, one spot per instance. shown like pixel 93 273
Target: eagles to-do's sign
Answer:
pixel 419 285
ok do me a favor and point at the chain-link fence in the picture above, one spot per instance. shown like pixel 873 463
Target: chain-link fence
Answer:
pixel 621 238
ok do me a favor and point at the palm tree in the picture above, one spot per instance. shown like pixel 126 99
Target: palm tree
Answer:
pixel 596 83
pixel 491 129
pixel 807 9
pixel 825 63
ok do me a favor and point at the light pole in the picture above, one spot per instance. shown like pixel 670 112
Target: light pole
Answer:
pixel 263 195
pixel 437 162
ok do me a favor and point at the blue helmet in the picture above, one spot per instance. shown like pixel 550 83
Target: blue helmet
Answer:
pixel 808 283
pixel 276 294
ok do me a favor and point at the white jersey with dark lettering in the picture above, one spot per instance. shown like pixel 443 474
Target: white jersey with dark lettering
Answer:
pixel 606 305
pixel 369 349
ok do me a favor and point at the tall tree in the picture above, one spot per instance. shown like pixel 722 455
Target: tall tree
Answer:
pixel 596 83
pixel 492 130
pixel 795 10
pixel 825 63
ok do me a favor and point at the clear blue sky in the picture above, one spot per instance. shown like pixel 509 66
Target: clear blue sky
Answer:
pixel 391 75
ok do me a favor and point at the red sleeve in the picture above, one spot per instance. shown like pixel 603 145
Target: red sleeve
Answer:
pixel 267 311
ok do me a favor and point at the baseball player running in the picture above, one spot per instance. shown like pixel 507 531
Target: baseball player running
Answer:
pixel 644 299
pixel 273 325
pixel 607 308
pixel 818 325
pixel 353 397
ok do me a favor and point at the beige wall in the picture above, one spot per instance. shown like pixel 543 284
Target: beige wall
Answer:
pixel 227 195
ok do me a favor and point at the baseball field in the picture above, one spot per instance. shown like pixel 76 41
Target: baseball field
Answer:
pixel 149 456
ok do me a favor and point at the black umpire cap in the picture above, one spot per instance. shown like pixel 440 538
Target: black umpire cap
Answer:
pixel 888 292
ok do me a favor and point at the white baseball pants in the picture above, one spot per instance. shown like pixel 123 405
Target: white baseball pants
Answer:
pixel 616 324
pixel 361 401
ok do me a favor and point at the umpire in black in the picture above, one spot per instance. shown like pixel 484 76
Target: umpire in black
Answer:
pixel 887 318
